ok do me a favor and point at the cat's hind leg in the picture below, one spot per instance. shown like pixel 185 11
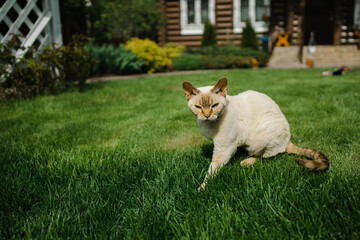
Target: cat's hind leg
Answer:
pixel 248 162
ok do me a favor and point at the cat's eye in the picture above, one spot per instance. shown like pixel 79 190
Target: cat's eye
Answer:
pixel 197 106
pixel 215 105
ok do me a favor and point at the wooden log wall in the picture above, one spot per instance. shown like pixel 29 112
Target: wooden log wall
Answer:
pixel 172 31
pixel 295 21
pixel 278 10
pixel 224 23
pixel 288 14
pixel 344 17
pixel 343 21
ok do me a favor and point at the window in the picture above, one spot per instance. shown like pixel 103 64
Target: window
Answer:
pixel 191 11
pixel 204 10
pixel 357 14
pixel 260 10
pixel 193 15
pixel 252 10
pixel 244 10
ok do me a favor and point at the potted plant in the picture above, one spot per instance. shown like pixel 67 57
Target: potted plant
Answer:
pixel 357 30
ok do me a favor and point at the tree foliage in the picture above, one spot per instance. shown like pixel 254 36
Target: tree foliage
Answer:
pixel 249 39
pixel 113 60
pixel 209 35
pixel 121 20
pixel 112 21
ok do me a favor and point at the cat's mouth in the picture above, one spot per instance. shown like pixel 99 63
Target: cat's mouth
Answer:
pixel 208 119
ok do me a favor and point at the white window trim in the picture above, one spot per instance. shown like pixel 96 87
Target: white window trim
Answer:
pixel 357 13
pixel 196 28
pixel 259 26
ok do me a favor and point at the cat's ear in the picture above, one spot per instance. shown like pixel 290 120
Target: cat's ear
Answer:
pixel 220 87
pixel 190 90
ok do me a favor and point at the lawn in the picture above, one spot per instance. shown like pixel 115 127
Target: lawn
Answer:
pixel 123 159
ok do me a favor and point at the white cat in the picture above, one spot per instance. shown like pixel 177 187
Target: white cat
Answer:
pixel 251 119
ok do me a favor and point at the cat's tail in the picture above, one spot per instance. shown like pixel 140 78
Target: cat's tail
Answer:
pixel 319 162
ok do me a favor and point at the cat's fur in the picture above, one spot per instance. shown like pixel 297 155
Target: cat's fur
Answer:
pixel 251 119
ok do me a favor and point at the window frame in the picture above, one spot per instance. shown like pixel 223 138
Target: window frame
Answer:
pixel 259 26
pixel 357 13
pixel 196 28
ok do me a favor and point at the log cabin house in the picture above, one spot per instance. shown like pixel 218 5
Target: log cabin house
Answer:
pixel 331 21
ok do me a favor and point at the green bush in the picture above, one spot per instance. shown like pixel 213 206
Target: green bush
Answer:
pixel 209 35
pixel 231 50
pixel 49 71
pixel 117 21
pixel 74 62
pixel 156 58
pixel 113 60
pixel 260 56
pixel 187 61
pixel 173 50
pixel 249 39
pixel 226 61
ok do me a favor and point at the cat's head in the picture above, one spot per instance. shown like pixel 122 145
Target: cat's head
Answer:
pixel 207 103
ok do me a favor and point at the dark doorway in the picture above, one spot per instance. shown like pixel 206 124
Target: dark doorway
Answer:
pixel 319 18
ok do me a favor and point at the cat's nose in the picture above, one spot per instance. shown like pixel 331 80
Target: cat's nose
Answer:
pixel 207 113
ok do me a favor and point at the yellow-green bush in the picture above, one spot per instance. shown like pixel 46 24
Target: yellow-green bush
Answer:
pixel 173 50
pixel 156 59
pixel 154 56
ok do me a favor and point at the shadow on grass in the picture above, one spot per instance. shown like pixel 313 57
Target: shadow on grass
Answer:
pixel 241 153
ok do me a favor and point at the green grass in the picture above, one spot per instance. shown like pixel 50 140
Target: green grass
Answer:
pixel 124 158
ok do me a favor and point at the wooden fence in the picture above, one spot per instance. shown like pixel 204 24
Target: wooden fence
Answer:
pixel 38 21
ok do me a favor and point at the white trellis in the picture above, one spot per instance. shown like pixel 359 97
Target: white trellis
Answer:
pixel 37 20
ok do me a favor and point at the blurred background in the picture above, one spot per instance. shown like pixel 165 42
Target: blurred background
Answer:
pixel 118 37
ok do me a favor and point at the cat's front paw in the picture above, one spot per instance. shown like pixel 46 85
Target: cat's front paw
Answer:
pixel 202 187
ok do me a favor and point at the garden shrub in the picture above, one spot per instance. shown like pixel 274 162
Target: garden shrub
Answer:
pixel 156 59
pixel 210 50
pixel 48 71
pixel 74 62
pixel 209 35
pixel 249 39
pixel 260 56
pixel 173 50
pixel 226 61
pixel 154 56
pixel 111 60
pixel 231 50
pixel 117 21
pixel 187 61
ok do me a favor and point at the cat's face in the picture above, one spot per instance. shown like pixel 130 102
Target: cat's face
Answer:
pixel 207 103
